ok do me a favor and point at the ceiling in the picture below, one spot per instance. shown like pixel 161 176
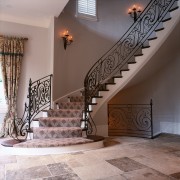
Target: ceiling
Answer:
pixel 31 12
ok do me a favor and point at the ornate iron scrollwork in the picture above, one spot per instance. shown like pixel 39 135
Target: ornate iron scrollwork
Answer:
pixel 39 95
pixel 112 62
pixel 131 119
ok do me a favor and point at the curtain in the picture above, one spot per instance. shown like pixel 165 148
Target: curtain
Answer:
pixel 11 54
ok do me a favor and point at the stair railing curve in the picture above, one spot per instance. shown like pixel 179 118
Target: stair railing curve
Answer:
pixel 112 62
pixel 39 98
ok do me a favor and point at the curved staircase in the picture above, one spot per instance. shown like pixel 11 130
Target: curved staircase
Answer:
pixel 61 127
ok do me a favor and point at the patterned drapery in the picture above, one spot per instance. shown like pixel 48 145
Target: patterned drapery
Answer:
pixel 11 54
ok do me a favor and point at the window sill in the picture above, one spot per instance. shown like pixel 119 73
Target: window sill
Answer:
pixel 88 18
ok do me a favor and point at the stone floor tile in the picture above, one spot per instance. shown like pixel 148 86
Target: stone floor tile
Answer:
pixel 2 172
pixel 47 159
pixel 124 140
pixel 87 160
pixel 175 153
pixel 118 177
pixel 175 145
pixel 26 162
pixel 27 174
pixel 74 163
pixel 59 169
pixel 160 156
pixel 107 154
pixel 176 175
pixel 70 176
pixel 97 171
pixel 62 157
pixel 164 165
pixel 146 174
pixel 126 164
pixel 7 159
pixel 12 166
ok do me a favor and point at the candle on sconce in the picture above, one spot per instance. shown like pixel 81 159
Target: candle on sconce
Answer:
pixel 134 12
pixel 67 38
pixel 65 33
pixel 70 38
pixel 134 7
pixel 129 11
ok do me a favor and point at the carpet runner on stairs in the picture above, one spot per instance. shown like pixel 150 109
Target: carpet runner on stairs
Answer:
pixel 62 127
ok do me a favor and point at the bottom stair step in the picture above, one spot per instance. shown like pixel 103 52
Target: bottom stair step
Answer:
pixel 56 132
pixel 54 142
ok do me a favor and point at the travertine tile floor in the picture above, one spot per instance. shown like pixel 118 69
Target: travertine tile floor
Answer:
pixel 122 158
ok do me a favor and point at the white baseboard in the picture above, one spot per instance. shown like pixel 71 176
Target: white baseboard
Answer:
pixel 170 127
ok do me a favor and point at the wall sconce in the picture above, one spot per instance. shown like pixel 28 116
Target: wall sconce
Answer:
pixel 134 12
pixel 67 39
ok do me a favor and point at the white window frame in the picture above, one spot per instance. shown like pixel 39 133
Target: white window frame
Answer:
pixel 86 16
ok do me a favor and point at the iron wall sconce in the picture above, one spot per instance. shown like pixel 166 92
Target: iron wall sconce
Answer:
pixel 67 39
pixel 134 12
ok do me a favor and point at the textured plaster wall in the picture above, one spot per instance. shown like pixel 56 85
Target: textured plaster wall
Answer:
pixel 36 62
pixel 91 40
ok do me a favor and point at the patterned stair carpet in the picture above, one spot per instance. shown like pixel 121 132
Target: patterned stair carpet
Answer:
pixel 62 127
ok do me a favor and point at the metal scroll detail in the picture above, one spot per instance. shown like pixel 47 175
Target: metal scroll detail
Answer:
pixel 130 119
pixel 112 63
pixel 39 98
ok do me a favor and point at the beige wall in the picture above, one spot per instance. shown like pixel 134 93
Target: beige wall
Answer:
pixel 91 40
pixel 159 80
pixel 36 62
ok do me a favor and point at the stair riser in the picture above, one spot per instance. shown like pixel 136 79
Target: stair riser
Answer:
pixel 59 123
pixel 47 133
pixel 71 105
pixel 67 114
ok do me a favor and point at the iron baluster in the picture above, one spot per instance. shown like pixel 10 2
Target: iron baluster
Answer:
pixel 151 104
pixel 29 109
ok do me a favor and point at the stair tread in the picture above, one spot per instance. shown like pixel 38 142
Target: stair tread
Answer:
pixel 53 142
pixel 78 102
pixel 56 132
pixel 64 110
pixel 59 118
pixel 56 128
pixel 59 122
pixel 65 113
pixel 71 105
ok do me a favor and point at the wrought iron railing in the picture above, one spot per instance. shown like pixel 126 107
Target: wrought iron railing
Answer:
pixel 130 119
pixel 39 98
pixel 112 63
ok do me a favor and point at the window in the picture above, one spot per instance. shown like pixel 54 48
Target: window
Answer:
pixel 3 106
pixel 87 9
pixel 2 96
